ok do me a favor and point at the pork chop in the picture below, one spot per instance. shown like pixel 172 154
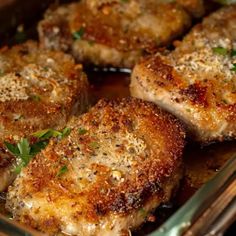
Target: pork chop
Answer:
pixel 113 32
pixel 121 160
pixel 38 89
pixel 196 81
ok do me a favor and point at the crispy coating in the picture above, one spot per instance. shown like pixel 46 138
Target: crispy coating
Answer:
pixel 113 33
pixel 196 81
pixel 38 89
pixel 122 160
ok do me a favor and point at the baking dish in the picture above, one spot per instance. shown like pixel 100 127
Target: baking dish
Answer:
pixel 201 163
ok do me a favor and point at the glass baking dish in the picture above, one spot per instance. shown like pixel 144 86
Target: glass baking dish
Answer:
pixel 208 189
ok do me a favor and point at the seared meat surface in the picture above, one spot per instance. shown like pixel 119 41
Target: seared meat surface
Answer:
pixel 195 7
pixel 114 33
pixel 196 81
pixel 121 160
pixel 39 89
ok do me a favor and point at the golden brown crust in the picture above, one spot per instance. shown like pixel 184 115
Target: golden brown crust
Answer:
pixel 115 32
pixel 39 89
pixel 126 158
pixel 52 83
pixel 195 82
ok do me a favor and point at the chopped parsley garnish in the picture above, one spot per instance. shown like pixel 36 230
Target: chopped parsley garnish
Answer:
pixel 233 53
pixel 65 132
pixel 46 68
pixel 94 145
pixel 24 151
pixel 143 212
pixel 62 171
pixel 35 98
pixel 79 34
pixel 82 131
pixel 46 134
pixel 51 133
pixel 220 50
pixel 234 67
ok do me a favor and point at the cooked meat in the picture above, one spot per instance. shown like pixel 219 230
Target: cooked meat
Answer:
pixel 195 7
pixel 113 32
pixel 197 81
pixel 38 89
pixel 120 161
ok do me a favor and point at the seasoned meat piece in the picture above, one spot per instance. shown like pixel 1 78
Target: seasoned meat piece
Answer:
pixel 195 7
pixel 112 33
pixel 121 160
pixel 38 89
pixel 197 81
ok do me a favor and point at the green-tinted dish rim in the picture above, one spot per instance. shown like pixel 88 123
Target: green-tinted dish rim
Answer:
pixel 180 221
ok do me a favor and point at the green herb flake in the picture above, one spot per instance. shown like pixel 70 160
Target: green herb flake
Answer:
pixel 24 149
pixel 52 133
pixel 35 98
pixel 143 212
pixel 62 171
pixel 234 67
pixel 79 34
pixel 224 101
pixel 18 168
pixel 220 50
pixel 24 152
pixel 46 68
pixel 37 147
pixel 233 53
pixel 13 149
pixel 47 134
pixel 82 131
pixel 94 145
pixel 9 215
pixel 65 132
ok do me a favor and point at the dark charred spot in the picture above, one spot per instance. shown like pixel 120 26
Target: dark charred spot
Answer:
pixel 94 123
pixel 100 210
pixel 160 84
pixel 196 94
pixel 17 74
pixel 129 124
pixel 119 204
pixel 24 51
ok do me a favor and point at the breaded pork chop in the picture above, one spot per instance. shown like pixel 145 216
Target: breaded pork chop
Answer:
pixel 120 161
pixel 39 89
pixel 197 81
pixel 112 32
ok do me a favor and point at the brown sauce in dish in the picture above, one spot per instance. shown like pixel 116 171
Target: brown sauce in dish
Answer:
pixel 200 163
